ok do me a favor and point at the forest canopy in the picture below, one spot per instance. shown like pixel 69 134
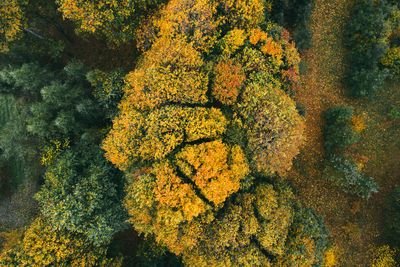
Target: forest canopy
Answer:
pixel 199 132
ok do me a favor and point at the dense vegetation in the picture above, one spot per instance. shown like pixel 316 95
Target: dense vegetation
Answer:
pixel 167 133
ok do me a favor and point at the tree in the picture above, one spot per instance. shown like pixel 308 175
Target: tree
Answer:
pixel 139 137
pixel 383 256
pixel 294 14
pixel 170 72
pixel 242 13
pixel 197 134
pixel 229 78
pixel 82 194
pixel 237 235
pixel 366 35
pixel 12 21
pixel 59 104
pixel 117 20
pixel 274 126
pixel 307 239
pixel 338 132
pixel 346 173
pixel 108 89
pixel 42 246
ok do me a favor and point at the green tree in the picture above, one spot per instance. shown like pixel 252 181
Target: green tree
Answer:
pixel 58 103
pixel 338 131
pixel 366 35
pixel 82 193
pixel 346 173
pixel 307 239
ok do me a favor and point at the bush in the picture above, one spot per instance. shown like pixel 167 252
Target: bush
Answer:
pixel 346 173
pixel 338 131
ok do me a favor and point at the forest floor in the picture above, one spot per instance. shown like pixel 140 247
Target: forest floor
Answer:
pixel 355 224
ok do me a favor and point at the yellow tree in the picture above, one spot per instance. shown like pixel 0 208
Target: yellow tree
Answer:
pixel 42 246
pixel 11 21
pixel 194 127
pixel 116 19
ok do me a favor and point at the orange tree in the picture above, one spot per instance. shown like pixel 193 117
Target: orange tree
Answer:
pixel 205 118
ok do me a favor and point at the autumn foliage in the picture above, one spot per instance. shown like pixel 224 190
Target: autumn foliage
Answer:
pixel 192 129
pixel 11 21
pixel 116 19
pixel 42 246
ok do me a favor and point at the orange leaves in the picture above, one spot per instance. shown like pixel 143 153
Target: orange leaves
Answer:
pixel 208 166
pixel 229 78
pixel 268 45
pixel 272 48
pixel 357 123
pixel 257 35
pixel 138 137
pixel 177 198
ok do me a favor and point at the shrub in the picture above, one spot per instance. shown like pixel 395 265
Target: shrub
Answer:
pixel 338 132
pixel 346 173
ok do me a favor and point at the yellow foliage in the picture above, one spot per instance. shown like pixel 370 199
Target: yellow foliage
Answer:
pixel 93 16
pixel 243 13
pixel 11 21
pixel 233 40
pixel 330 258
pixel 177 200
pixel 53 150
pixel 392 57
pixel 207 166
pixel 256 35
pixel 193 21
pixel 357 123
pixel 383 256
pixel 170 72
pixel 136 137
pixel 43 246
pixel 275 129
